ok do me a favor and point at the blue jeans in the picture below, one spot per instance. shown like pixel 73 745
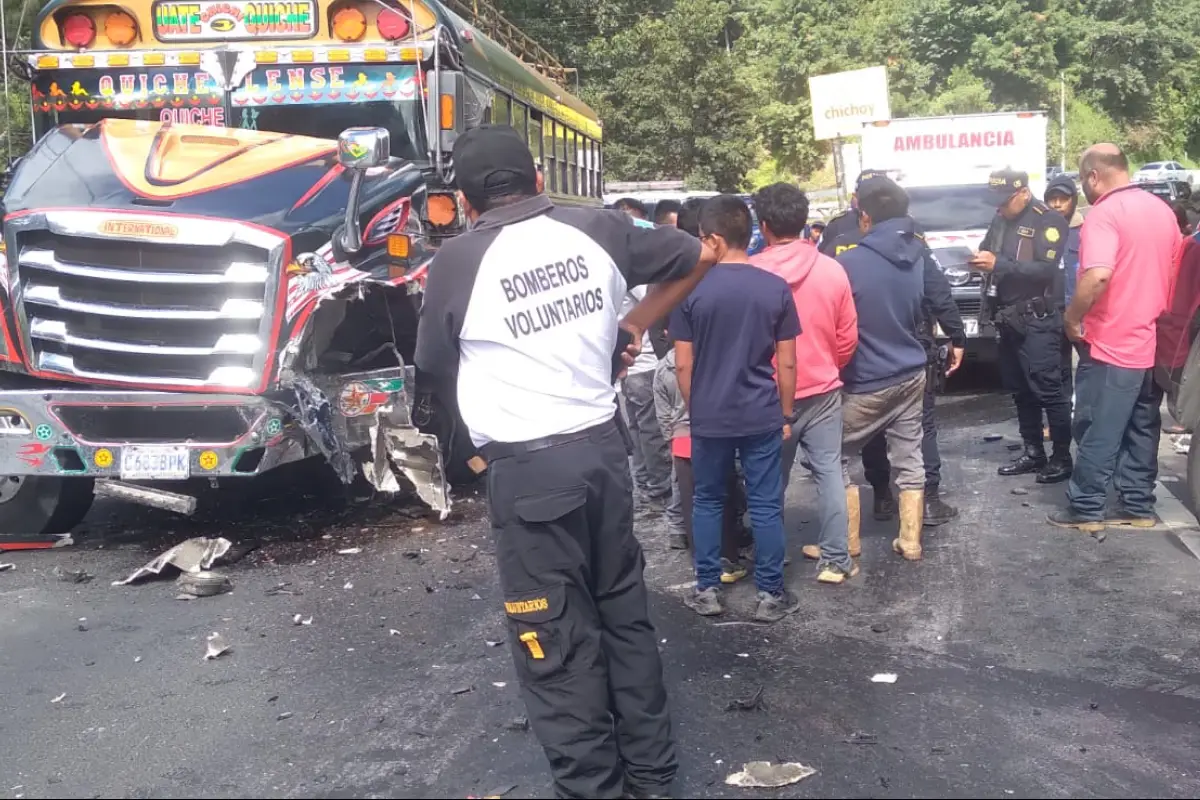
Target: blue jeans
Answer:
pixel 1117 428
pixel 712 461
pixel 819 432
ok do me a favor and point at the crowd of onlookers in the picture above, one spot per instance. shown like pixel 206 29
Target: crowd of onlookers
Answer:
pixel 789 353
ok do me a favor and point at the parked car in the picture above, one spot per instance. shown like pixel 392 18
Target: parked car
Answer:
pixel 1167 190
pixel 1163 171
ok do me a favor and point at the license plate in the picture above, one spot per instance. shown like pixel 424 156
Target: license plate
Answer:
pixel 155 463
pixel 972 326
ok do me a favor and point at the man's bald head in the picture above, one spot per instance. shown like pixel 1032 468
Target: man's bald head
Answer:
pixel 1104 158
pixel 1103 168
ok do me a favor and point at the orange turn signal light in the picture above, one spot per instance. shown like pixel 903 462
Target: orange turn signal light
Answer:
pixel 398 245
pixel 441 210
pixel 446 107
pixel 120 28
pixel 349 24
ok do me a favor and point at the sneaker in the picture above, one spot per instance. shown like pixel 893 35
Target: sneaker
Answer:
pixel 774 607
pixel 1067 518
pixel 732 571
pixel 705 602
pixel 1125 519
pixel 832 573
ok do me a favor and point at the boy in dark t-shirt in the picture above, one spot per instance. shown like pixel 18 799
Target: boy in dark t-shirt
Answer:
pixel 728 334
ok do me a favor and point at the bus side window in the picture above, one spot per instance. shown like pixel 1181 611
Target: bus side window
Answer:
pixel 477 102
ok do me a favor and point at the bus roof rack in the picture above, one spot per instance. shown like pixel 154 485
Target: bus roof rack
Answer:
pixel 488 19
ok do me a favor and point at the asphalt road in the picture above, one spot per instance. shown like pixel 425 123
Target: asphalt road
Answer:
pixel 1030 661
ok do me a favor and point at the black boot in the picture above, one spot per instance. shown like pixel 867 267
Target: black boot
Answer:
pixel 1032 460
pixel 885 504
pixel 1058 468
pixel 936 511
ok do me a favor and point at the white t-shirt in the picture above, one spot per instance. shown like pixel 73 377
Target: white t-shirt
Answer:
pixel 647 360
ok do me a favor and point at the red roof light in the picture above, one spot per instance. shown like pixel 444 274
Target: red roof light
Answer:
pixel 392 24
pixel 79 30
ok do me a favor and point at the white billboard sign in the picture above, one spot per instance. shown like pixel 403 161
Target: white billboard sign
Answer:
pixel 843 101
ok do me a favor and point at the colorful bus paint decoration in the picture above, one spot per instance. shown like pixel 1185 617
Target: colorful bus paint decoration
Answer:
pixel 234 20
pixel 178 95
pixel 326 84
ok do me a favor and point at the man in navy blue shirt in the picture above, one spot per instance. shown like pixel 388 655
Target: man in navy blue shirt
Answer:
pixel 728 333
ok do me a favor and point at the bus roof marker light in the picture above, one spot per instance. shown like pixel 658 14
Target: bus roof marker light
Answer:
pixel 47 62
pixel 79 30
pixel 266 56
pixel 375 54
pixel 189 59
pixel 392 24
pixel 349 24
pixel 302 56
pixel 153 59
pixel 120 28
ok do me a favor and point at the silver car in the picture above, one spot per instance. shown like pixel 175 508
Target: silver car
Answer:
pixel 1163 171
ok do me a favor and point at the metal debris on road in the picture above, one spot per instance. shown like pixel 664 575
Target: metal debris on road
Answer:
pixel 300 619
pixel 203 583
pixel 992 437
pixel 72 575
pixel 137 659
pixel 7 567
pixel 192 555
pixel 348 585
pixel 1182 444
pixel 518 724
pixel 394 632
pixel 60 698
pixel 858 737
pixel 1099 536
pixel 462 690
pixel 1019 491
pixel 217 647
pixel 499 684
pixel 350 551
pixel 493 643
pixel 765 775
pixel 754 702
pixel 476 596
pixel 281 588
pixel 285 715
pixel 884 677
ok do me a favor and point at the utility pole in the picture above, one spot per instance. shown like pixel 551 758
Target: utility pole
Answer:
pixel 1062 118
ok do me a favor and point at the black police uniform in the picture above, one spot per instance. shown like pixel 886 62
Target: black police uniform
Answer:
pixel 938 306
pixel 1024 297
pixel 846 223
pixel 520 314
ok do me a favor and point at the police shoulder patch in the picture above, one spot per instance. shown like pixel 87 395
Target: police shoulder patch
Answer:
pixel 1023 231
pixel 1052 235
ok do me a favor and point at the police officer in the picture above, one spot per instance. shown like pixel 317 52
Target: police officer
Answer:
pixel 845 223
pixel 1021 251
pixel 520 314
pixel 938 307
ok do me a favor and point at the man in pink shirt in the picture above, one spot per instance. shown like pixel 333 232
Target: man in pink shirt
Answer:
pixel 824 301
pixel 1128 245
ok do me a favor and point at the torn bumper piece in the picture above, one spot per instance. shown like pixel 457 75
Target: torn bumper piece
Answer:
pixel 374 409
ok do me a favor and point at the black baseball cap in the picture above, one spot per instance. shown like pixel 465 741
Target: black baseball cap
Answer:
pixel 866 175
pixel 493 161
pixel 1008 182
pixel 817 224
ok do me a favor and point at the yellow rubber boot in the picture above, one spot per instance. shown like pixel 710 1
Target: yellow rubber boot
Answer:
pixel 912 513
pixel 853 521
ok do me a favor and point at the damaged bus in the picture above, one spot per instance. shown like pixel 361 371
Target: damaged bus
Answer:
pixel 215 252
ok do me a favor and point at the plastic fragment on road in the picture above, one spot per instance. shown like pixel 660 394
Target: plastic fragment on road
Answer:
pixel 72 575
pixel 217 647
pixel 7 567
pixel 350 551
pixel 60 698
pixel 23 541
pixel 300 619
pixel 884 677
pixel 765 775
pixel 203 584
pixel 193 555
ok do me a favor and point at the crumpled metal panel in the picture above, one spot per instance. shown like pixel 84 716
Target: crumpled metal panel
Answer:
pixel 417 455
pixel 317 417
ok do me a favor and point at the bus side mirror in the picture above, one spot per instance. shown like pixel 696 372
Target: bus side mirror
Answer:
pixel 358 150
pixel 444 112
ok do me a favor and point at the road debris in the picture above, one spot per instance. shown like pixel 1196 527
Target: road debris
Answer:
pixel 350 551
pixel 992 437
pixel 59 699
pixel 348 585
pixel 884 677
pixel 499 684
pixel 765 775
pixel 1099 536
pixel 394 632
pixel 1017 490
pixel 21 541
pixel 858 737
pixel 137 659
pixel 7 567
pixel 493 642
pixel 281 588
pixel 217 647
pixel 1015 446
pixel 476 596
pixel 203 584
pixel 300 619
pixel 192 555
pixel 880 627
pixel 518 724
pixel 1182 444
pixel 462 690
pixel 285 715
pixel 752 703
pixel 72 575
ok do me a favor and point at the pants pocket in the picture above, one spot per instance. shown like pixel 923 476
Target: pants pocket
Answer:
pixel 539 632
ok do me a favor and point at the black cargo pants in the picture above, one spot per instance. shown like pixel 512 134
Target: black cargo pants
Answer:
pixel 1031 367
pixel 877 469
pixel 584 649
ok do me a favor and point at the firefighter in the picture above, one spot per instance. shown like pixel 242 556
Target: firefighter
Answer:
pixel 520 313
pixel 1021 251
